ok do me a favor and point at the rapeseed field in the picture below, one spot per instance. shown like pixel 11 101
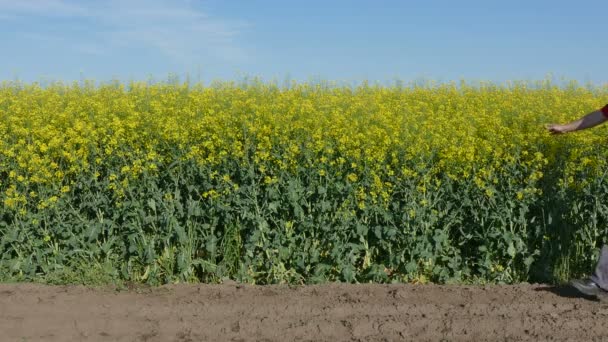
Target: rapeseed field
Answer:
pixel 306 183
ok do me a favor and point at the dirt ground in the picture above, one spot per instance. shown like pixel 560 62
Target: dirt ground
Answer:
pixel 334 312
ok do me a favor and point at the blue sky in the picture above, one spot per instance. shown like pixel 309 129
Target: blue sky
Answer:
pixel 346 41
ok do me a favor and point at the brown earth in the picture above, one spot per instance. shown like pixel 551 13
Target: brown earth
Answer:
pixel 334 312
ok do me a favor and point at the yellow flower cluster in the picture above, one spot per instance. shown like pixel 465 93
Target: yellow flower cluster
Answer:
pixel 372 137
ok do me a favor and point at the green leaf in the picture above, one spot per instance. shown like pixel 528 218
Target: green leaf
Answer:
pixel 273 206
pixel 528 261
pixel 349 273
pixel 411 267
pixel 152 204
pixel 361 229
pixel 511 250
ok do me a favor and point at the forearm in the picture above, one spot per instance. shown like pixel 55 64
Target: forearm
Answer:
pixel 590 120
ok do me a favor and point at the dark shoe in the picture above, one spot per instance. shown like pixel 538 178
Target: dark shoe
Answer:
pixel 588 287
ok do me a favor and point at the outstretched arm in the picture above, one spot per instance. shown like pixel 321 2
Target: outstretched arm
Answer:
pixel 590 120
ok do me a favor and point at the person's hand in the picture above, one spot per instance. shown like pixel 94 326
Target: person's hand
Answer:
pixel 557 129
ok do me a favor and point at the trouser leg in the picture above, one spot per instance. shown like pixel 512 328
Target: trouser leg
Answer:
pixel 600 276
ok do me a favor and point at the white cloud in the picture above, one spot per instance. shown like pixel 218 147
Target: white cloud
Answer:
pixel 175 28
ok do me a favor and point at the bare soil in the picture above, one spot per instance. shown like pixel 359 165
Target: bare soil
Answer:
pixel 333 312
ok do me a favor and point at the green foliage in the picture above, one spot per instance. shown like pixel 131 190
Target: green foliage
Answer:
pixel 302 228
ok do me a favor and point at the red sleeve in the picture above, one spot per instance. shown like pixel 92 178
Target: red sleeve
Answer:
pixel 605 111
